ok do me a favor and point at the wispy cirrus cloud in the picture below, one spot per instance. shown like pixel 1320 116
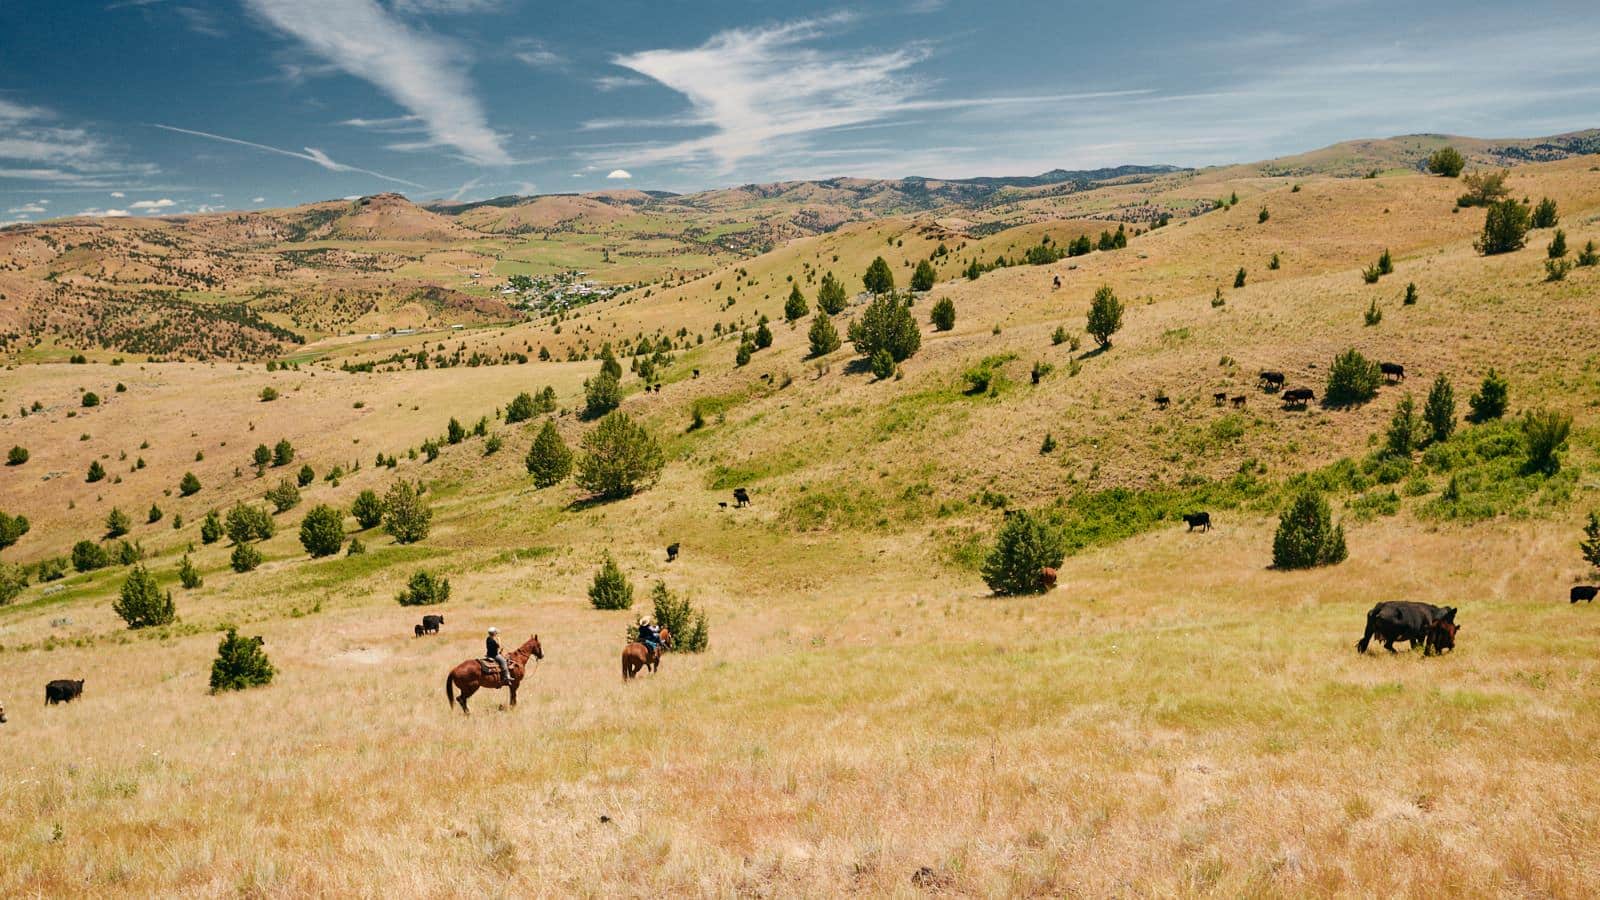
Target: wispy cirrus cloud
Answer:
pixel 420 71
pixel 310 154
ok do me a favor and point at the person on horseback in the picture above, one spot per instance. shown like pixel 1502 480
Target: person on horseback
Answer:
pixel 650 635
pixel 492 651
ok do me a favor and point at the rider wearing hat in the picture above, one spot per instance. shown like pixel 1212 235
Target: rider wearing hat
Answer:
pixel 492 651
pixel 649 635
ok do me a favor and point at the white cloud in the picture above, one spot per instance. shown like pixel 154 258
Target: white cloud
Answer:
pixel 36 146
pixel 448 7
pixel 418 70
pixel 105 213
pixel 619 174
pixel 118 194
pixel 163 203
pixel 28 208
pixel 534 52
pixel 311 154
pixel 617 82
pixel 258 199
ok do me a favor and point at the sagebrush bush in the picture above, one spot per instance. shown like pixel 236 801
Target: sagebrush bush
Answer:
pixel 1307 536
pixel 610 588
pixel 241 663
pixel 1545 433
pixel 1028 541
pixel 141 603
pixel 424 589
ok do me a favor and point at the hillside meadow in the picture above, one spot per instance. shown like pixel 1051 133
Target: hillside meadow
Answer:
pixel 1176 718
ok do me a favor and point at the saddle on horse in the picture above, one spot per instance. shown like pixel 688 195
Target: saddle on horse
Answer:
pixel 490 667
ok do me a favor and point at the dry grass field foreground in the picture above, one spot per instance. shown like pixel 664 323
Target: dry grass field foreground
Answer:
pixel 1176 718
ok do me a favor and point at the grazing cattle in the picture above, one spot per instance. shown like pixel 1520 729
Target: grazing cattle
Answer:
pixel 430 624
pixel 2 713
pixel 672 552
pixel 1392 371
pixel 697 373
pixel 741 497
pixel 417 629
pixel 1200 520
pixel 62 690
pixel 1047 579
pixel 1271 380
pixel 1162 400
pixel 1238 402
pixel 1422 624
pixel 722 503
pixel 1584 592
pixel 1056 283
pixel 1219 398
pixel 1298 397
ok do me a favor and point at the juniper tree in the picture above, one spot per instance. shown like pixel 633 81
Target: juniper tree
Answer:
pixel 823 336
pixel 548 460
pixel 795 308
pixel 142 604
pixel 943 315
pixel 1440 410
pixel 406 515
pixel 1306 535
pixel 610 588
pixel 1105 316
pixel 924 276
pixel 830 295
pixel 1491 399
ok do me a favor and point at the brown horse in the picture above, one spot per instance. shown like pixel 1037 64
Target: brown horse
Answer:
pixel 475 673
pixel 637 656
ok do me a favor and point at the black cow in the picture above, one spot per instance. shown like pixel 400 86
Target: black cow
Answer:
pixel 1584 592
pixel 1432 627
pixel 1271 380
pixel 1392 371
pixel 1200 520
pixel 1219 398
pixel 741 497
pixel 430 624
pixel 1162 400
pixel 1056 283
pixel 1238 402
pixel 697 373
pixel 1298 396
pixel 62 690
pixel 672 552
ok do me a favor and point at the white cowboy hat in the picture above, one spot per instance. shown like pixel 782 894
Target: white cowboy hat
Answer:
pixel 493 630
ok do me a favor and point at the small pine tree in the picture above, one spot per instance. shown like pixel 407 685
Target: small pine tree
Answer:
pixel 211 528
pixel 367 509
pixel 1505 228
pixel 1440 410
pixel 322 531
pixel 1407 430
pixel 282 453
pixel 1446 161
pixel 795 308
pixel 879 279
pixel 1590 545
pixel 356 547
pixel 188 575
pixel 454 433
pixel 1373 315
pixel 1491 399
pixel 823 336
pixel 406 515
pixel 620 458
pixel 88 556
pixel 1263 216
pixel 601 394
pixel 1352 379
pixel 245 558
pixel 284 497
pixel 1411 295
pixel 142 604
pixel 924 276
pixel 1386 263
pixel 1238 278
pixel 262 456
pixel 1105 316
pixel 1558 245
pixel 1588 256
pixel 117 523
pixel 1028 541
pixel 548 461
pixel 886 324
pixel 154 515
pixel 882 363
pixel 690 632
pixel 830 295
pixel 741 357
pixel 763 335
pixel 241 663
pixel 943 314
pixel 189 486
pixel 305 476
pixel 1275 263
pixel 97 472
pixel 1544 215
pixel 610 589
pixel 609 364
pixel 424 589
pixel 520 409
pixel 1306 535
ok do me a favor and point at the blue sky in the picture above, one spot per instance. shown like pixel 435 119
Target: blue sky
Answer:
pixel 145 107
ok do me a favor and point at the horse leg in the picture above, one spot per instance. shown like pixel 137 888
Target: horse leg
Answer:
pixel 467 690
pixel 513 687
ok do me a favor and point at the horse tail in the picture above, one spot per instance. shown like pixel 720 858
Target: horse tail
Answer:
pixel 449 696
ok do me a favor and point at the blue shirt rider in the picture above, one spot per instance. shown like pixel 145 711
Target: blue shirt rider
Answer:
pixel 492 651
pixel 650 635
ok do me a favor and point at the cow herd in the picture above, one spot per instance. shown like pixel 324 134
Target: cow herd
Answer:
pixel 1273 382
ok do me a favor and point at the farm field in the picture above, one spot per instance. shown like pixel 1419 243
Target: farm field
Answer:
pixel 868 717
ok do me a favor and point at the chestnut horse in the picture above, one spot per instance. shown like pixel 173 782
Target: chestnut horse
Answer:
pixel 474 674
pixel 637 656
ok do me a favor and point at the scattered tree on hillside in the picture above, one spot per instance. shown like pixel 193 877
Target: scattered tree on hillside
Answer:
pixel 367 509
pixel 1407 430
pixel 1352 379
pixel 1446 161
pixel 1440 410
pixel 881 363
pixel 1544 215
pixel 12 528
pixel 188 575
pixel 1028 541
pixel 1588 256
pixel 189 486
pixel 1545 433
pixel 830 295
pixel 141 603
pixel 1306 535
pixel 117 523
pixel 924 276
pixel 245 558
pixel 1505 228
pixel 284 497
pixel 610 588
pixel 1590 545
pixel 1105 316
pixel 824 337
pixel 241 663
pixel 1238 278
pixel 406 515
pixel 763 338
pixel 19 455
pixel 795 308
pixel 1484 188
pixel 154 515
pixel 601 395
pixel 424 589
pixel 943 315
pixel 548 460
pixel 886 324
pixel 90 399
pixel 322 531
pixel 97 472
pixel 620 458
pixel 249 523
pixel 13 578
pixel 88 556
pixel 608 362
pixel 879 279
pixel 1558 245
pixel 520 409
pixel 262 457
pixel 690 632
pixel 741 357
pixel 1491 399
pixel 211 528
pixel 305 476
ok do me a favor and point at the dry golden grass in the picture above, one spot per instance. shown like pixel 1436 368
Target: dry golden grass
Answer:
pixel 1175 719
